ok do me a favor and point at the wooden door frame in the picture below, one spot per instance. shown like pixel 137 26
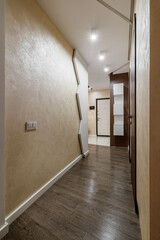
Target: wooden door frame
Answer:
pixel 119 141
pixel 135 174
pixel 97 99
pixel 135 26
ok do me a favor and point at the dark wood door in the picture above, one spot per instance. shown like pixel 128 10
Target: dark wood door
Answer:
pixel 120 141
pixel 132 117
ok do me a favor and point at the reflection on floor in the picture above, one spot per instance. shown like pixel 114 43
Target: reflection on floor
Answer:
pixel 102 141
pixel 92 201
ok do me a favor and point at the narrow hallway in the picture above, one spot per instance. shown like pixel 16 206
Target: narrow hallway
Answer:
pixel 92 201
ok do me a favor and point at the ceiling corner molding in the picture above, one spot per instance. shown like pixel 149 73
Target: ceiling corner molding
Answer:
pixel 115 11
pixel 120 67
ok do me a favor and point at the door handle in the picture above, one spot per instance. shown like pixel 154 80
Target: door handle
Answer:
pixel 128 117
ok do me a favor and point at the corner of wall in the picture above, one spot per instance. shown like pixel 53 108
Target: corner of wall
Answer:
pixel 81 71
pixel 4 230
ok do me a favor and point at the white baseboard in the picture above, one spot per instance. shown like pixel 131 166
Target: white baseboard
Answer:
pixel 86 154
pixel 17 212
pixel 4 230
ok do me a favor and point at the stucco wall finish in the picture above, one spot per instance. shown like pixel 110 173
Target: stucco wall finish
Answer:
pixel 142 10
pixel 40 86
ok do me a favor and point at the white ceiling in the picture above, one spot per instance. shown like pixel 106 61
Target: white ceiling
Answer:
pixel 76 18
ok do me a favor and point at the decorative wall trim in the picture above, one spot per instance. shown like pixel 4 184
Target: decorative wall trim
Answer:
pixel 86 154
pixel 80 137
pixel 4 230
pixel 18 211
pixel 79 108
pixel 81 71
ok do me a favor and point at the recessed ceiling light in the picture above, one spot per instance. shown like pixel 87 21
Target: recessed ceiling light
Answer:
pixel 101 56
pixel 106 69
pixel 89 88
pixel 94 35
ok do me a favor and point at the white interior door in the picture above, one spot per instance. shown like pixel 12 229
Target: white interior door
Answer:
pixel 103 117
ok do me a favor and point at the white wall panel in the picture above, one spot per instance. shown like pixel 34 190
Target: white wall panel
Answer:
pixel 118 109
pixel 81 70
pixel 118 89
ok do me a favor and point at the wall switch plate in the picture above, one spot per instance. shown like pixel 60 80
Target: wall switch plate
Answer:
pixel 31 126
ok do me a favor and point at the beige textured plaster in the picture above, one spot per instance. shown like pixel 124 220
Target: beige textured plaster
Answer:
pixel 143 114
pixel 2 113
pixel 92 96
pixel 40 86
pixel 155 120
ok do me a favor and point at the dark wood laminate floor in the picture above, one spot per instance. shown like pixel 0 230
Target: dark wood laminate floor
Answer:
pixel 93 201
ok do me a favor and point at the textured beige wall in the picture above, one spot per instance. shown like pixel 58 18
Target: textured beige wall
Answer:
pixel 155 120
pixel 92 96
pixel 2 112
pixel 40 86
pixel 143 114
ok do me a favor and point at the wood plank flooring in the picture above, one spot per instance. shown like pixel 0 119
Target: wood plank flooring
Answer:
pixel 93 201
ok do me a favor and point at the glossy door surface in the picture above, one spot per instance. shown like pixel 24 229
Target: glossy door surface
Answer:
pixel 132 117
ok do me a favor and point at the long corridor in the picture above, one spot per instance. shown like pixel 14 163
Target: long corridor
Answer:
pixel 93 201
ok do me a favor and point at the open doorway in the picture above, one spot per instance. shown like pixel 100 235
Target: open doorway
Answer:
pixel 99 117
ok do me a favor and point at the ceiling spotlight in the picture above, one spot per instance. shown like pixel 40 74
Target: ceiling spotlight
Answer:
pixel 89 88
pixel 101 56
pixel 93 36
pixel 106 69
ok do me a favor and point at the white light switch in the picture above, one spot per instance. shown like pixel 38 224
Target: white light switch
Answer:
pixel 31 126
